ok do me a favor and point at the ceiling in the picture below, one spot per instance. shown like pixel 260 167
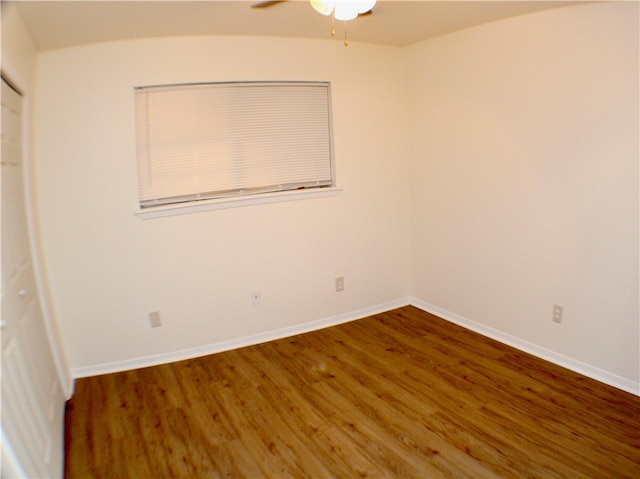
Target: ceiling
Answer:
pixel 60 24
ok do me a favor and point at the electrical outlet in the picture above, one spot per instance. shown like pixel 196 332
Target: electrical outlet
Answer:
pixel 557 313
pixel 255 297
pixel 154 319
pixel 339 284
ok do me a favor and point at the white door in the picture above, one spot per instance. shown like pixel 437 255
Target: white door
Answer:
pixel 32 398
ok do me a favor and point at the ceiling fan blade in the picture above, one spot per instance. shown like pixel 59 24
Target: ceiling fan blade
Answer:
pixel 267 3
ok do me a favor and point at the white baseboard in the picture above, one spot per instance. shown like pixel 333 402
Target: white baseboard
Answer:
pixel 531 348
pixel 163 358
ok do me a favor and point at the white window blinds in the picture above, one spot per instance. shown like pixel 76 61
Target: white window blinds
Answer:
pixel 204 141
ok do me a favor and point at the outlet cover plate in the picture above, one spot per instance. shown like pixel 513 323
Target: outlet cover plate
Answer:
pixel 154 319
pixel 557 313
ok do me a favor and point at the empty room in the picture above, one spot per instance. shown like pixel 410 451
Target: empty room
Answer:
pixel 320 239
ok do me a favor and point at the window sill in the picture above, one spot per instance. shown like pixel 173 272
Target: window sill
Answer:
pixel 235 202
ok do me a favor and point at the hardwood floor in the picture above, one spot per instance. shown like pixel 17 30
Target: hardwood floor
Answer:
pixel 399 394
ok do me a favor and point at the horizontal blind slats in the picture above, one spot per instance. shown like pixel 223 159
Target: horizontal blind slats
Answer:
pixel 204 140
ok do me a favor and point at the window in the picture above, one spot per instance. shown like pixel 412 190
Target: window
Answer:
pixel 199 142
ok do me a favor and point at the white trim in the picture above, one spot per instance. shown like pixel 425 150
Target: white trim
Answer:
pixel 531 348
pixel 234 202
pixel 164 358
pixel 63 371
pixel 57 350
pixel 538 351
pixel 11 465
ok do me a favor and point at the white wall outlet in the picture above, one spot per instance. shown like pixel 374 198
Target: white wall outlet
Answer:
pixel 557 313
pixel 154 319
pixel 339 284
pixel 255 297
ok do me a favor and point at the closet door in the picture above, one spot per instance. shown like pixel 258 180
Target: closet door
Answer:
pixel 32 399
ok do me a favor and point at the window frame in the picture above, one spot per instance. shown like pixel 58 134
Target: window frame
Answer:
pixel 235 202
pixel 166 207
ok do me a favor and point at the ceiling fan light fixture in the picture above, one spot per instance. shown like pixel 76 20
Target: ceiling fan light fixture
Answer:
pixel 342 9
pixel 323 7
pixel 345 11
pixel 363 6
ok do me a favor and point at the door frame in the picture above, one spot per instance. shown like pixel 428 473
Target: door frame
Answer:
pixel 53 335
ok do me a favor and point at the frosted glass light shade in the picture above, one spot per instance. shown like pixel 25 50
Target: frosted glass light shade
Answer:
pixel 345 11
pixel 342 9
pixel 324 7
pixel 363 6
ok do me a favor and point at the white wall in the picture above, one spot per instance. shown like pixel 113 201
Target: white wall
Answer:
pixel 19 56
pixel 525 180
pixel 490 173
pixel 48 379
pixel 110 268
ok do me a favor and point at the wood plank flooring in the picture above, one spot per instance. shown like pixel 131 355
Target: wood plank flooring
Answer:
pixel 400 394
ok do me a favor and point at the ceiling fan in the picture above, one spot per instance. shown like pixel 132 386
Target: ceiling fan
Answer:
pixel 343 10
pixel 340 8
pixel 267 3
